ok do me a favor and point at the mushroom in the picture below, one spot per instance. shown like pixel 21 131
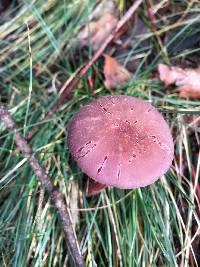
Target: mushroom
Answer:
pixel 121 141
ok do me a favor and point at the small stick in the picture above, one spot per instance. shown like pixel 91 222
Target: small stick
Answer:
pixel 66 92
pixel 41 175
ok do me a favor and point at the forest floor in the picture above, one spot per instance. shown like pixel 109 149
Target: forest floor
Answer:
pixel 59 55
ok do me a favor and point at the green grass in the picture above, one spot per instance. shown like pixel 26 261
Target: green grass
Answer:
pixel 152 226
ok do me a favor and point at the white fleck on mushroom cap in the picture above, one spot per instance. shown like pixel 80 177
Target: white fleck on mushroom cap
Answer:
pixel 121 141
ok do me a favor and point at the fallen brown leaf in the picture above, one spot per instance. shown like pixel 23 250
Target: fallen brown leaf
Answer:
pixel 97 32
pixel 116 75
pixel 187 80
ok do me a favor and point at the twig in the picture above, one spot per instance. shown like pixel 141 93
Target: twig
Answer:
pixel 55 195
pixel 66 92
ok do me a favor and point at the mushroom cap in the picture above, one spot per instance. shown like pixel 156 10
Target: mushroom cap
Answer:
pixel 121 141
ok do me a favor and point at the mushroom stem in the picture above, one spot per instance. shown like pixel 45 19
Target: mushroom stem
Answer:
pixel 94 188
pixel 41 175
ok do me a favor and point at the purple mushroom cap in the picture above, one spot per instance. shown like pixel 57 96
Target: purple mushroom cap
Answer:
pixel 121 141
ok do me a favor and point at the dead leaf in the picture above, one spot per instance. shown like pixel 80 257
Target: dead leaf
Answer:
pixel 187 80
pixel 170 75
pixel 116 76
pixel 97 32
pixel 94 188
pixel 103 7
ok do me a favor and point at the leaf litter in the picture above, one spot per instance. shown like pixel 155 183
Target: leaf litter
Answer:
pixel 116 76
pixel 187 80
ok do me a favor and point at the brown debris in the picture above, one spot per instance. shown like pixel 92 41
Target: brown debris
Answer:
pixel 116 76
pixel 187 80
pixel 96 32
